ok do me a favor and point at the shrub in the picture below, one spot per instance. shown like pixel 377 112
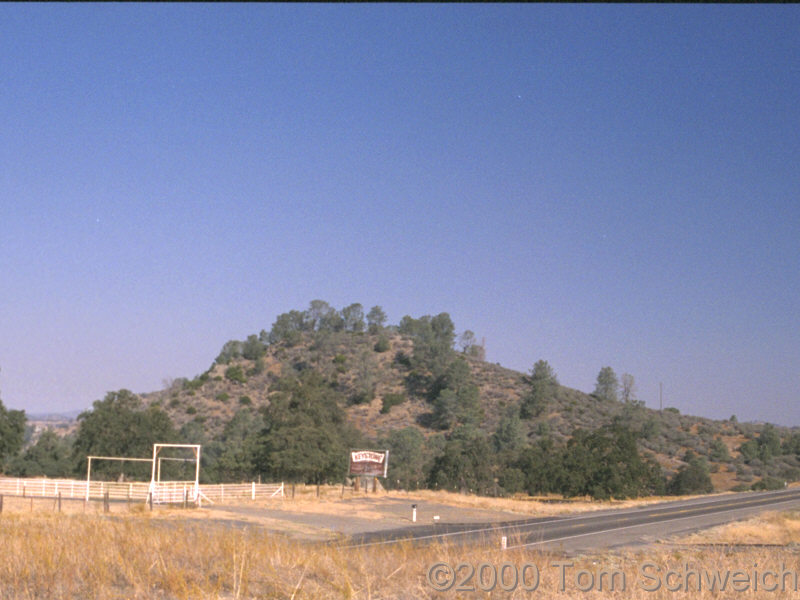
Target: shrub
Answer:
pixel 719 451
pixel 382 345
pixel 194 384
pixel 362 397
pixel 257 368
pixel 235 374
pixel 222 397
pixel 512 480
pixel 691 479
pixel 339 360
pixel 245 400
pixel 390 400
pixel 402 359
pixel 769 483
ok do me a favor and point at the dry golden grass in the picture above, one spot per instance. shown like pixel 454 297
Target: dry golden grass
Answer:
pixel 768 528
pixel 306 497
pixel 130 555
pixel 531 506
pixel 173 553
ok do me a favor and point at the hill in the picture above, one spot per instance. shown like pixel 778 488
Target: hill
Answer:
pixel 384 390
pixel 288 403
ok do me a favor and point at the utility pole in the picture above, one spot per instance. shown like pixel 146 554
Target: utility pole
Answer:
pixel 660 396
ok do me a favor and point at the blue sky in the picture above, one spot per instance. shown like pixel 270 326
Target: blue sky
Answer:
pixel 591 185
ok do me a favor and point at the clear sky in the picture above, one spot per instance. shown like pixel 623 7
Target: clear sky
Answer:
pixel 590 185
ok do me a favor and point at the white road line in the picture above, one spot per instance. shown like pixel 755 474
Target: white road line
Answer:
pixel 622 512
pixel 577 535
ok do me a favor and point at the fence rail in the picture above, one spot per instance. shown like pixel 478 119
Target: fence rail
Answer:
pixel 166 491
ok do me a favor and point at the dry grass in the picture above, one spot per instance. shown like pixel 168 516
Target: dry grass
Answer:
pixel 768 528
pixel 47 555
pixel 532 506
pixel 172 553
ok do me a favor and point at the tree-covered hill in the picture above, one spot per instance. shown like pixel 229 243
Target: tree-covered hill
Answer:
pixel 287 403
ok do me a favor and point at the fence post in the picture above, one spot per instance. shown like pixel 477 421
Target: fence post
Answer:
pixel 1 503
pixel 59 501
pixel 253 491
pixel 105 502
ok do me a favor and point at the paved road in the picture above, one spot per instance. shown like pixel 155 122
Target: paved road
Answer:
pixel 603 529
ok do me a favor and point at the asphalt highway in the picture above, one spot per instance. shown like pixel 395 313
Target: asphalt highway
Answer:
pixel 601 529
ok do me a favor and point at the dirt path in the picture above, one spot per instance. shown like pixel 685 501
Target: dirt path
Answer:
pixel 358 515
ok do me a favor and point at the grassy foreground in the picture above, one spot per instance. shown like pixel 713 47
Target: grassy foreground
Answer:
pixel 133 555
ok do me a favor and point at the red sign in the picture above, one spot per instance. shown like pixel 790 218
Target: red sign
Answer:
pixel 372 463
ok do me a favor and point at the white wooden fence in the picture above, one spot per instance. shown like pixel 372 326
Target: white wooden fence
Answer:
pixel 167 491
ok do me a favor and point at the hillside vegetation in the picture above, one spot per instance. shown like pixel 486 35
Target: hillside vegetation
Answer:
pixel 288 403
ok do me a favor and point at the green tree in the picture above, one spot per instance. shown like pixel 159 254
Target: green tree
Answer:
pixel 456 399
pixel 749 450
pixel 542 389
pixel 50 456
pixel 366 378
pixel 238 446
pixel 510 434
pixel 288 328
pixel 791 445
pixel 628 389
pixel 253 348
pixel 306 436
pixel 230 351
pixel 376 319
pixel 769 443
pixel 120 425
pixel 407 458
pixel 12 433
pixel 465 464
pixel 607 386
pixel 470 346
pixel 542 465
pixel 605 463
pixel 433 341
pixel 353 318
